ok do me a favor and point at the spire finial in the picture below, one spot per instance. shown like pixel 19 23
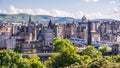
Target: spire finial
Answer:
pixel 29 18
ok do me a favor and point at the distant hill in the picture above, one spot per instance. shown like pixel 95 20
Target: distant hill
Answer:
pixel 105 20
pixel 39 18
pixel 35 18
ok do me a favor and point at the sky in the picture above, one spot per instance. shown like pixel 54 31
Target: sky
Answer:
pixel 63 8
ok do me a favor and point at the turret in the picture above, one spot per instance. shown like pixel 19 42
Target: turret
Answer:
pixel 84 19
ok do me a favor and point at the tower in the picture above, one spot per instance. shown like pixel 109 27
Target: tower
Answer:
pixel 102 29
pixel 89 34
pixel 59 31
pixel 30 37
pixel 50 24
pixel 84 19
pixel 35 33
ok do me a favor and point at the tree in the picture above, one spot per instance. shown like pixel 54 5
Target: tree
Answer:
pixel 34 61
pixel 104 48
pixel 117 58
pixel 67 56
pixel 10 59
pixel 111 65
pixel 58 44
pixel 17 49
pixel 51 60
pixel 92 52
pixel 97 63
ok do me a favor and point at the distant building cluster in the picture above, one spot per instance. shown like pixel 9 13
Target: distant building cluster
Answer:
pixel 32 36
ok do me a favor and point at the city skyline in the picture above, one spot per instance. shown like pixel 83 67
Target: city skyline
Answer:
pixel 63 8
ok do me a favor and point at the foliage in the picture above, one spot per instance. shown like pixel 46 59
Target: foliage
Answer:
pixel 111 65
pixel 60 44
pixel 67 56
pixel 90 58
pixel 17 49
pixel 104 63
pixel 68 53
pixel 104 48
pixel 97 63
pixel 10 59
pixel 117 58
pixel 86 59
pixel 34 61
pixel 92 52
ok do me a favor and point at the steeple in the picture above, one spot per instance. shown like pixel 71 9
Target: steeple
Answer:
pixel 29 19
pixel 50 24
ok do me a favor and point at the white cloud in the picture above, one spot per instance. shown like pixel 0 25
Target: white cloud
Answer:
pixel 117 11
pixel 58 13
pixel 112 2
pixel 91 0
pixel 2 11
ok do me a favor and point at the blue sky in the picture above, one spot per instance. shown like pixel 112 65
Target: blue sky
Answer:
pixel 90 8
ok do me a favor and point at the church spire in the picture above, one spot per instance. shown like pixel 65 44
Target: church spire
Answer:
pixel 50 24
pixel 29 19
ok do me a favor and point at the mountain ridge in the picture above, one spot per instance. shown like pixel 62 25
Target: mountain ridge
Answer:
pixel 22 17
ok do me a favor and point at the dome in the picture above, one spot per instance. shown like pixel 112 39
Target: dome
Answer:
pixel 84 19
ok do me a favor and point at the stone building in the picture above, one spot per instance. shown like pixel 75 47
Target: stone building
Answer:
pixel 95 36
pixel 116 49
pixel 59 31
pixel 32 46
pixel 74 29
pixel 82 31
pixel 67 30
pixel 11 43
pixel 47 34
pixel 102 29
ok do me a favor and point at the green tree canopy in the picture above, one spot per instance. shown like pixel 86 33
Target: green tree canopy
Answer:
pixel 17 49
pixel 68 54
pixel 67 57
pixel 59 44
pixel 117 58
pixel 104 48
pixel 35 61
pixel 10 59
pixel 92 52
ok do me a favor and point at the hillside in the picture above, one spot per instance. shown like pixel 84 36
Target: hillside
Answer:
pixel 39 18
pixel 36 18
